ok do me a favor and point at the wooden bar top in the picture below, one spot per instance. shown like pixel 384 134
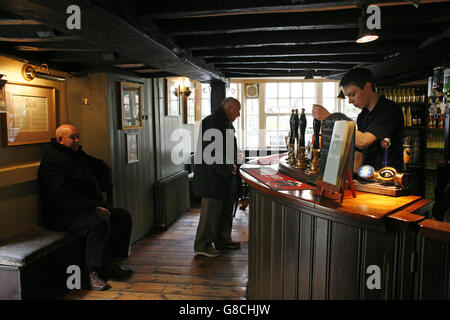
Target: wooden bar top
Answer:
pixel 366 206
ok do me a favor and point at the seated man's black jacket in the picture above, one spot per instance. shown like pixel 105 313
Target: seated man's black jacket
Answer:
pixel 71 183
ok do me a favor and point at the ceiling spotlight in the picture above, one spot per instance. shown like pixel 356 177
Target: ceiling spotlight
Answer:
pixel 365 34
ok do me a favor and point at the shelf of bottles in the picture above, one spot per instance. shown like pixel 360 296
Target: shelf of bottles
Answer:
pixel 438 109
pixel 413 102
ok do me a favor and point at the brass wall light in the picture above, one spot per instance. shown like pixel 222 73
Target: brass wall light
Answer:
pixel 29 73
pixel 184 88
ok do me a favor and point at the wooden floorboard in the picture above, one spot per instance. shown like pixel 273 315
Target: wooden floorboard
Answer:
pixel 167 269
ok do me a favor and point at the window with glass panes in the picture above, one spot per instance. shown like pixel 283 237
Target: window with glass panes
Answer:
pixel 191 107
pixel 251 123
pixel 349 109
pixel 206 100
pixel 280 99
pixel 233 91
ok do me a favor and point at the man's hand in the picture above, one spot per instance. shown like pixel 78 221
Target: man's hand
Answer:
pixel 103 212
pixel 234 169
pixel 319 112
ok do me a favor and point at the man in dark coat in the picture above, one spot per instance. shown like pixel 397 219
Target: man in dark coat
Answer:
pixel 216 180
pixel 73 186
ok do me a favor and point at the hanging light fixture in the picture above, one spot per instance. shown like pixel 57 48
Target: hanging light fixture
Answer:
pixel 365 34
pixel 309 74
pixel 341 95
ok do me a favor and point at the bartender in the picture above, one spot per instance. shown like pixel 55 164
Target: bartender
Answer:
pixel 379 119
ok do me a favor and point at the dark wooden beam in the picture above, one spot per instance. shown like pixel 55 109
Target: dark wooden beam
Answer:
pixel 342 19
pixel 289 38
pixel 300 51
pixel 112 33
pixel 270 22
pixel 347 59
pixel 161 9
pixel 273 73
pixel 37 39
pixel 405 63
pixel 21 22
pixel 443 36
pixel 282 66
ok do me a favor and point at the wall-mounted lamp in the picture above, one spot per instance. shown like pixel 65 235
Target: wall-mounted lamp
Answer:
pixel 184 88
pixel 341 95
pixel 365 34
pixel 29 73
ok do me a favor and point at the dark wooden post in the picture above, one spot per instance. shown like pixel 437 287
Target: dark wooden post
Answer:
pixel 217 94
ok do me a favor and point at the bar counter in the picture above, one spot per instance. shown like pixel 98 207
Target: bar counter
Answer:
pixel 304 246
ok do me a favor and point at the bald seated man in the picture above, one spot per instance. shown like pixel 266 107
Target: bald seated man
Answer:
pixel 72 188
pixel 217 183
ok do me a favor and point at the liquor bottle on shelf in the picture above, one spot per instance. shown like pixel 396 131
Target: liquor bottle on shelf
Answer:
pixel 419 118
pixel 431 118
pixel 408 117
pixel 438 115
pixel 413 95
pixel 414 118
pixel 404 116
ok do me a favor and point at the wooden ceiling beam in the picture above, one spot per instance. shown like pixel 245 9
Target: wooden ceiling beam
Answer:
pixel 283 66
pixel 37 39
pixel 112 33
pixel 299 51
pixel 184 9
pixel 273 73
pixel 18 22
pixel 355 59
pixel 344 19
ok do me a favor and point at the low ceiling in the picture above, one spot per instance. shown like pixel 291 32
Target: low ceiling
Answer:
pixel 216 40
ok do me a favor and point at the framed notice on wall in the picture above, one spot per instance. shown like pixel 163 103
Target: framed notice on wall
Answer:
pixel 30 114
pixel 132 148
pixel 131 105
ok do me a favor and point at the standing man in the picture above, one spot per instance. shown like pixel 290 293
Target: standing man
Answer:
pixel 72 187
pixel 216 180
pixel 379 118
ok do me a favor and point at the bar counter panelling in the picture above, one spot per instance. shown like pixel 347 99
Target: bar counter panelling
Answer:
pixel 303 246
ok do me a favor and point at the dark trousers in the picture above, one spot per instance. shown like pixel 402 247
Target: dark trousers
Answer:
pixel 105 240
pixel 216 219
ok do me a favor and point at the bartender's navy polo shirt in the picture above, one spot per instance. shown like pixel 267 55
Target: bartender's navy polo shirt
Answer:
pixel 384 121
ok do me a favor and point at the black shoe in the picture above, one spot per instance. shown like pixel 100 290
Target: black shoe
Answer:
pixel 96 283
pixel 116 272
pixel 210 252
pixel 230 245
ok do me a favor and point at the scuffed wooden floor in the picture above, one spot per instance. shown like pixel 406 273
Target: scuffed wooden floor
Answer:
pixel 166 268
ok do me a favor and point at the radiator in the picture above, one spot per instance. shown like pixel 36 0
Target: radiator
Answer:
pixel 172 197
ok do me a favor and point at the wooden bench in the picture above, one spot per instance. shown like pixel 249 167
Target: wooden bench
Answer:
pixel 33 263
